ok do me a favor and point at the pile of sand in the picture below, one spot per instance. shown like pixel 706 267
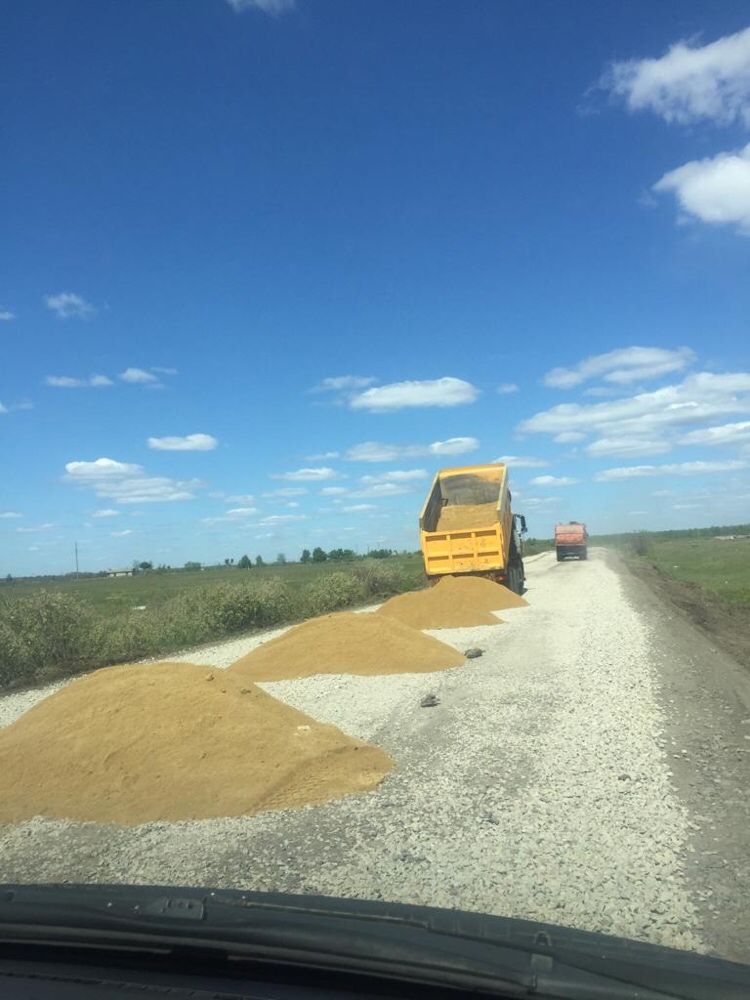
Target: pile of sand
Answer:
pixel 458 517
pixel 346 643
pixel 454 602
pixel 173 741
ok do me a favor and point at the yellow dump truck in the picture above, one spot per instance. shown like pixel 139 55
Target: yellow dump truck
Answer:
pixel 467 526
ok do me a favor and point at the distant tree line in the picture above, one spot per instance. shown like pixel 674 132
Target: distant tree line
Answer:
pixel 676 533
pixel 316 555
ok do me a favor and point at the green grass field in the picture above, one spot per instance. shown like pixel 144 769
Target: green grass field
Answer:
pixel 722 567
pixel 110 597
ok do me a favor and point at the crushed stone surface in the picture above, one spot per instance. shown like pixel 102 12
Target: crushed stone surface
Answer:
pixel 538 786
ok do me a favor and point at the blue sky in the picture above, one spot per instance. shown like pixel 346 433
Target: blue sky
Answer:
pixel 238 236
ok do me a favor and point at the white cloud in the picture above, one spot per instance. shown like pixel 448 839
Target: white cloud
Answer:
pixel 333 491
pixel 288 491
pixel 137 376
pixel 35 528
pixel 374 451
pixel 603 391
pixel 541 501
pixel 244 498
pixel 324 456
pixel 522 462
pixel 686 506
pixel 714 190
pixel 396 476
pixel 624 365
pixel 344 383
pixel 107 512
pixel 453 446
pixel 626 447
pixel 24 405
pixel 440 392
pixel 312 475
pixel 274 519
pixel 689 83
pixel 736 433
pixel 568 437
pixel 506 388
pixel 121 534
pixel 382 490
pixel 649 415
pixel 674 469
pixel 164 371
pixel 68 305
pixel 9 514
pixel 235 514
pixel 6 316
pixel 553 481
pixel 266 6
pixel 127 483
pixel 66 382
pixel 357 508
pixel 191 442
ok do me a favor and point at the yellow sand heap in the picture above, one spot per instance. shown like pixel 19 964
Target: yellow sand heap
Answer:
pixel 347 643
pixel 453 602
pixel 173 741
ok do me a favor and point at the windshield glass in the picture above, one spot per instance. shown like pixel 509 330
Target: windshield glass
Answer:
pixel 375 414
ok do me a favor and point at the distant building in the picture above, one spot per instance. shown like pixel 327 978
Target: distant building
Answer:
pixel 119 572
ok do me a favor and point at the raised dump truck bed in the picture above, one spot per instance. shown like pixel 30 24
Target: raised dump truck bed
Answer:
pixel 467 526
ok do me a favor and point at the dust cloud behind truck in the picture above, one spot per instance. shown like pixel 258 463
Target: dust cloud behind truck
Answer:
pixel 571 539
pixel 467 526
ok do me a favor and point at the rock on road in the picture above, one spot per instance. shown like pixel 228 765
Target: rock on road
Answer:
pixel 590 769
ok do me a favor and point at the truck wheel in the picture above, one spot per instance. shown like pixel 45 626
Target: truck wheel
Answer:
pixel 584 554
pixel 559 557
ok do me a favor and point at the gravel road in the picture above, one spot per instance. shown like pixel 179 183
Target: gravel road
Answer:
pixel 590 769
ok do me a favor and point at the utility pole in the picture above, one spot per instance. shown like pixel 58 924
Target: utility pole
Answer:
pixel 76 549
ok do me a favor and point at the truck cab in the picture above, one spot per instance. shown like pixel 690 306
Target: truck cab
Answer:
pixel 571 539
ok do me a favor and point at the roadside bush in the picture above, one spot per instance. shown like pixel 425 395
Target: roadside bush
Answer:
pixel 640 544
pixel 331 592
pixel 128 637
pixel 378 579
pixel 213 612
pixel 51 634
pixel 40 631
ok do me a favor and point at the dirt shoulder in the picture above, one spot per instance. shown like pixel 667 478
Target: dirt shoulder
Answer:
pixel 728 625
pixel 704 691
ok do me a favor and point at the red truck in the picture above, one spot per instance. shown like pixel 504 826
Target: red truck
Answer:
pixel 571 539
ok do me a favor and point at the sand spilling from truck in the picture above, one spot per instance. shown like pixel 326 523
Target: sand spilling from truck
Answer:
pixel 454 602
pixel 173 741
pixel 467 517
pixel 347 643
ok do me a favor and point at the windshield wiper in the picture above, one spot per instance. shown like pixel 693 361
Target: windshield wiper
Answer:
pixel 470 951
